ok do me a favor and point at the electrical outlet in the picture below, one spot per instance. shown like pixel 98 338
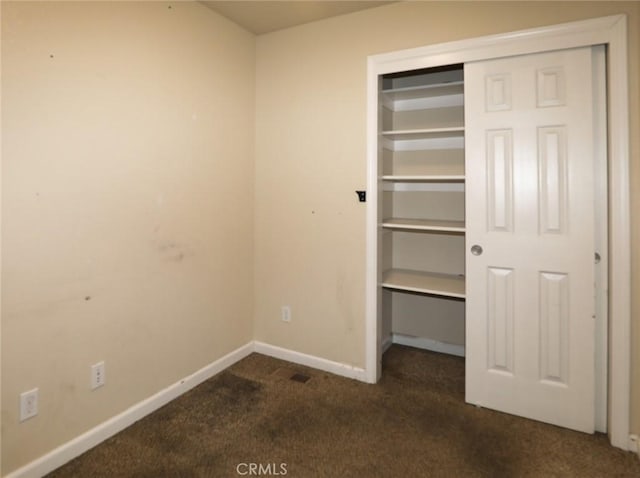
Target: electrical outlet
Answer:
pixel 285 313
pixel 28 404
pixel 98 377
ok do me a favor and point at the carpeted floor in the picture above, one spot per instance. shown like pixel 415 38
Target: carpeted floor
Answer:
pixel 253 419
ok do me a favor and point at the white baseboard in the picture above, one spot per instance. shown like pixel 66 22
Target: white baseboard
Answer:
pixel 312 361
pixel 634 444
pixel 428 344
pixel 386 343
pixel 93 437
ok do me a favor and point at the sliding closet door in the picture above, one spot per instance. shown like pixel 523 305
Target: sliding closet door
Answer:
pixel 530 236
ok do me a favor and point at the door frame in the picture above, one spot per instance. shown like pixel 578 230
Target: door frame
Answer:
pixel 610 31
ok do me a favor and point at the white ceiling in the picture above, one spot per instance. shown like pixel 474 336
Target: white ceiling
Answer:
pixel 267 16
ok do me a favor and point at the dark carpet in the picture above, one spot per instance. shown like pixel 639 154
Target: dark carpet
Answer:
pixel 254 420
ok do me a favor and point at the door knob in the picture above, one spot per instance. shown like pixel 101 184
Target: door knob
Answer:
pixel 476 250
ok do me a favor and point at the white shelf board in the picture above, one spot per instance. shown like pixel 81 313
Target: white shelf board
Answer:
pixel 446 285
pixel 424 225
pixel 450 132
pixel 413 186
pixel 427 91
pixel 425 178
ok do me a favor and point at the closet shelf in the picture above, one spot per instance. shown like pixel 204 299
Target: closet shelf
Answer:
pixel 425 91
pixel 425 178
pixel 446 285
pixel 424 225
pixel 429 133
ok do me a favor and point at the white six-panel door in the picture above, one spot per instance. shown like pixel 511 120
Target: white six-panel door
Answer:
pixel 530 236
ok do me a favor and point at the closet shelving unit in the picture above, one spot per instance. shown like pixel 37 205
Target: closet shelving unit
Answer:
pixel 422 136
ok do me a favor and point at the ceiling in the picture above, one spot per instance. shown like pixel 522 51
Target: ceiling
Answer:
pixel 268 16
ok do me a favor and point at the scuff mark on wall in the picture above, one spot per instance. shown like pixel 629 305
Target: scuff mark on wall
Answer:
pixel 174 252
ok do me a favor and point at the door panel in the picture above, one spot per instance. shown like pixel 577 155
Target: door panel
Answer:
pixel 552 158
pixel 500 319
pixel 500 180
pixel 530 206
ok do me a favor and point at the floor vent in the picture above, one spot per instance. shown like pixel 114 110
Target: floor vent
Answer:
pixel 298 377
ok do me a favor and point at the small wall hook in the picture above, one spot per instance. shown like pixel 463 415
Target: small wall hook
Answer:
pixel 362 196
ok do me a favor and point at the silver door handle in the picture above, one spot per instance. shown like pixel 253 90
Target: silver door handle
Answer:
pixel 476 250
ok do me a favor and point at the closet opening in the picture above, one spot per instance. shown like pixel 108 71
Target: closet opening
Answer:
pixel 422 241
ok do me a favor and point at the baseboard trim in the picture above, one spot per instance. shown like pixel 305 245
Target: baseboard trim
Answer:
pixel 428 344
pixel 634 444
pixel 312 361
pixel 64 453
pixel 386 343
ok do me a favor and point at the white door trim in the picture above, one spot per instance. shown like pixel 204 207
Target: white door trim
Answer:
pixel 601 177
pixel 610 31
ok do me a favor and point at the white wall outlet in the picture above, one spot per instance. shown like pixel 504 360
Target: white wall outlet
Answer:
pixel 98 376
pixel 285 313
pixel 28 404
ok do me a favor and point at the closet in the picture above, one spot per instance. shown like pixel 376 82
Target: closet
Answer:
pixel 422 159
pixel 487 228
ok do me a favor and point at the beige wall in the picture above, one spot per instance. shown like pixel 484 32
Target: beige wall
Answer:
pixel 127 206
pixel 311 156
